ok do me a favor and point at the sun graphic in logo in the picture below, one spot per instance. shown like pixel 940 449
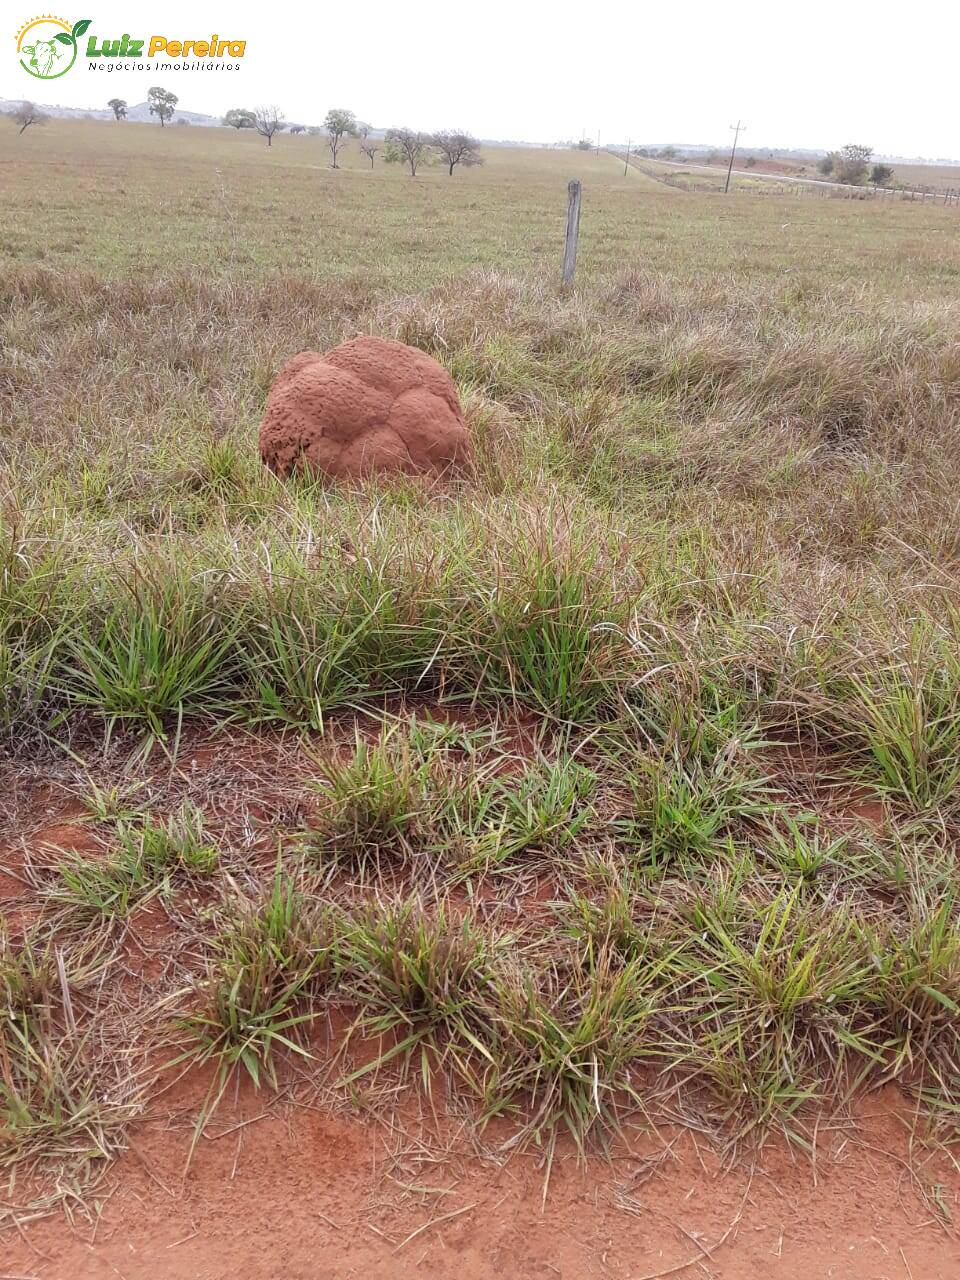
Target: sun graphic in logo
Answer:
pixel 47 46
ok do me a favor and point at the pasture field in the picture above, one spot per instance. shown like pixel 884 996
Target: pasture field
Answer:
pixel 616 787
pixel 929 177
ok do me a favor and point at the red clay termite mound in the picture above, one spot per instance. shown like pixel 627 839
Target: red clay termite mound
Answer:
pixel 369 405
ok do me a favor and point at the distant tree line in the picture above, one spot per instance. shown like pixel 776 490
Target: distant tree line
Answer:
pixel 401 145
pixel 652 153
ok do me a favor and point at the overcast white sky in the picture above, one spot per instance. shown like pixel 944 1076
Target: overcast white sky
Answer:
pixel 812 74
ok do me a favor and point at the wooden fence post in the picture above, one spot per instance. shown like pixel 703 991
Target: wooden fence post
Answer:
pixel 573 232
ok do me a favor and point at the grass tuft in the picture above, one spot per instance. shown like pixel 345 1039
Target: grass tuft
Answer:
pixel 425 982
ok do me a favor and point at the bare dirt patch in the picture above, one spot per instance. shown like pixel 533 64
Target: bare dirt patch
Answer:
pixel 307 1192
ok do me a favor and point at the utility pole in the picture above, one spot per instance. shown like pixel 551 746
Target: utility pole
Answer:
pixel 598 142
pixel 627 159
pixel 737 130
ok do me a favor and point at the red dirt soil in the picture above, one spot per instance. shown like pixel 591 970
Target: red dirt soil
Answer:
pixel 304 1193
pixel 299 1187
pixel 369 405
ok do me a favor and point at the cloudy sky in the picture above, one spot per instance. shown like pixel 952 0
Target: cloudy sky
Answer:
pixel 815 74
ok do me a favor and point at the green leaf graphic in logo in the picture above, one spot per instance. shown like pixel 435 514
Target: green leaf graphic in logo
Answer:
pixel 47 57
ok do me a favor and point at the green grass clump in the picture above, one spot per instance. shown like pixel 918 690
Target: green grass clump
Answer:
pixel 50 1102
pixel 108 888
pixel 622 921
pixel 803 852
pixel 28 975
pixel 158 651
pixel 911 712
pixel 375 802
pixel 425 980
pixel 573 1036
pixel 542 810
pixel 178 844
pixel 918 966
pixel 417 792
pixel 781 1002
pixel 684 809
pixel 56 1110
pixel 270 961
pixel 148 857
pixel 550 634
pixel 313 645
